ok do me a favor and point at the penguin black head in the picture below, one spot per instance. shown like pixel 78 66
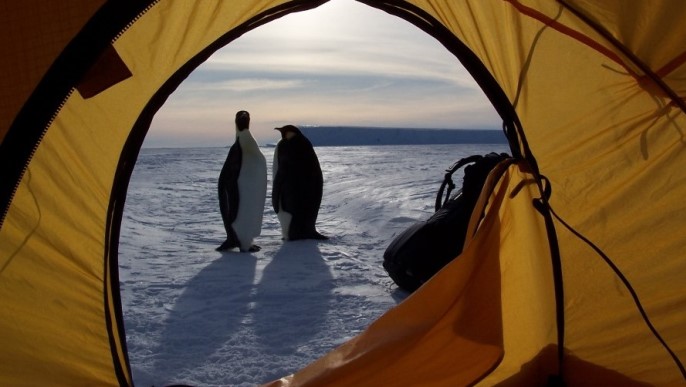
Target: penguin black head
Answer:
pixel 288 131
pixel 242 120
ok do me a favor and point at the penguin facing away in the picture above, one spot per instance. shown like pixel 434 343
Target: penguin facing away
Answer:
pixel 297 185
pixel 242 189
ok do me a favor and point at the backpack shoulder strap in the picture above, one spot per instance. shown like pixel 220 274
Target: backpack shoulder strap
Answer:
pixel 448 180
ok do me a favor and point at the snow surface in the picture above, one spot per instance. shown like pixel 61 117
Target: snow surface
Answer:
pixel 200 317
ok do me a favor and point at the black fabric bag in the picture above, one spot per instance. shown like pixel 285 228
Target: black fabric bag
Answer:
pixel 420 251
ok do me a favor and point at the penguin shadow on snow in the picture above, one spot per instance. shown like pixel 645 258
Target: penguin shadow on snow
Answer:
pixel 292 298
pixel 207 314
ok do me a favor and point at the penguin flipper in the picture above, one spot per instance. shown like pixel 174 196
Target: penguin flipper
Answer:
pixel 228 185
pixel 228 195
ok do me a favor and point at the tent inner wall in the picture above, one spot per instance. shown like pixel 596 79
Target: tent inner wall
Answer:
pixel 610 150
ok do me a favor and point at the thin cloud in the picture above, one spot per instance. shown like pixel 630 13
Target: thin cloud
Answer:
pixel 340 37
pixel 247 84
pixel 343 63
pixel 362 57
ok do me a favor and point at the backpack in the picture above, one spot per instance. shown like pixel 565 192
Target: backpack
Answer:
pixel 425 247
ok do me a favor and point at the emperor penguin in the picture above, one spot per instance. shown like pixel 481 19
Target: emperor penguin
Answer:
pixel 243 189
pixel 297 185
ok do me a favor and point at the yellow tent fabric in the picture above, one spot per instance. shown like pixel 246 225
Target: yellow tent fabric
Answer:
pixel 592 99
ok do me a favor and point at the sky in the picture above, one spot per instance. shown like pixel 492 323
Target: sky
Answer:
pixel 341 64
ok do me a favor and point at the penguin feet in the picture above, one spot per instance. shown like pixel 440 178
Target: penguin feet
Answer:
pixel 251 249
pixel 227 245
pixel 320 236
pixel 312 235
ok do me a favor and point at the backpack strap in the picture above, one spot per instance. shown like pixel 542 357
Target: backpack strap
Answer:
pixel 448 181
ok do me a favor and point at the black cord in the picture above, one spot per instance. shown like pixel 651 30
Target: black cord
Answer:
pixel 628 286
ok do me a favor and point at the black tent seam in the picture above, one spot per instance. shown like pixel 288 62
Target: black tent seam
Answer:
pixel 111 250
pixel 543 207
pixel 112 284
pixel 629 287
pixel 542 204
pixel 511 126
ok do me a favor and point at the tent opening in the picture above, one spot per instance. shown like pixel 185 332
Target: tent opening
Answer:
pixel 264 315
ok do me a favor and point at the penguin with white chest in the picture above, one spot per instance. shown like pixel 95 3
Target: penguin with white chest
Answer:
pixel 243 189
pixel 297 185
